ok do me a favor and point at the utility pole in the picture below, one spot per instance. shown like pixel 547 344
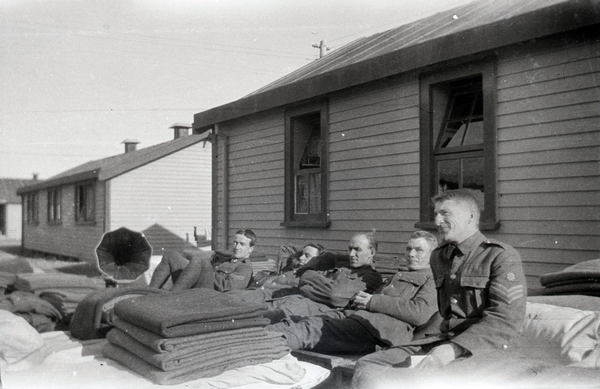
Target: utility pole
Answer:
pixel 322 48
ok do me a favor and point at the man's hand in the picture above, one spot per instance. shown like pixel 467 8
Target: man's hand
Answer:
pixel 360 300
pixel 441 356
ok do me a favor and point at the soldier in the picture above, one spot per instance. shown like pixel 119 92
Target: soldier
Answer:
pixel 385 318
pixel 481 294
pixel 195 270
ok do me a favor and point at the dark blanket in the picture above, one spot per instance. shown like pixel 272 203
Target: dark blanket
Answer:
pixel 214 367
pixel 335 287
pixel 174 345
pixel 190 312
pixel 202 352
pixel 583 272
pixel 87 321
pixel 582 288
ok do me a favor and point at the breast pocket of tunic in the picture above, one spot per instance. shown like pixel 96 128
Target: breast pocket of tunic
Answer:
pixel 476 289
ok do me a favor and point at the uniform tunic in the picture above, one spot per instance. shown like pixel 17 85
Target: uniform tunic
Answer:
pixel 481 293
pixel 401 303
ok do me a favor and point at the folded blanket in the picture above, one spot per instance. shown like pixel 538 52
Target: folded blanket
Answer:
pixel 159 344
pixel 583 270
pixel 38 281
pixel 584 288
pixel 86 322
pixel 202 353
pixel 192 372
pixel 7 279
pixel 190 312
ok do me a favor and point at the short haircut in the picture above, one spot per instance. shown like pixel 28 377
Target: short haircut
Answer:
pixel 319 248
pixel 248 234
pixel 461 195
pixel 428 236
pixel 370 238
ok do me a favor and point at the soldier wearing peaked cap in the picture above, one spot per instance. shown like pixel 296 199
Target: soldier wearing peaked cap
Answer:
pixel 481 293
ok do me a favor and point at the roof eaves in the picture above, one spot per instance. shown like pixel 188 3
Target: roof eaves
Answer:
pixel 63 180
pixel 542 22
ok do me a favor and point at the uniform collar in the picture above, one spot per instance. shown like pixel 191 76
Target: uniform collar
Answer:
pixel 471 243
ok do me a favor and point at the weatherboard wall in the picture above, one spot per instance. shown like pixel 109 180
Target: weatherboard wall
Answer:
pixel 547 115
pixel 67 238
pixel 165 199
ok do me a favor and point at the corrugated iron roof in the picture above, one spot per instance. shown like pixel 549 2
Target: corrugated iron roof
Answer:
pixel 473 28
pixel 8 189
pixel 110 167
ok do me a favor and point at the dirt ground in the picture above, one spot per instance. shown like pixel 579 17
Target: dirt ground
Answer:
pixel 14 260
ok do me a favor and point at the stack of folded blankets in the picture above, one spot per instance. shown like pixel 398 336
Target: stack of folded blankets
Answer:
pixel 581 278
pixel 198 333
pixel 62 290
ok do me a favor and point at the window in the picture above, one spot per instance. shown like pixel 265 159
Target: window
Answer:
pixel 33 208
pixel 458 137
pixel 306 134
pixel 54 206
pixel 85 203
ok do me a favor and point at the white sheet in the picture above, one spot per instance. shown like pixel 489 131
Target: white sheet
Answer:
pixel 66 362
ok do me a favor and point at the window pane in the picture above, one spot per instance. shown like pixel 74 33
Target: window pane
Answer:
pixel 315 193
pixel 474 133
pixel 472 172
pixel 311 156
pixel 79 203
pixel 89 203
pixel 448 175
pixel 478 110
pixel 453 134
pixel 462 105
pixel 301 195
pixel 57 207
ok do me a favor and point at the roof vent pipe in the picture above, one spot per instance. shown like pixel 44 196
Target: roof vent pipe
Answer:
pixel 130 144
pixel 180 130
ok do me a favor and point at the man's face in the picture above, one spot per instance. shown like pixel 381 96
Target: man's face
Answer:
pixel 454 220
pixel 418 252
pixel 241 247
pixel 359 251
pixel 308 253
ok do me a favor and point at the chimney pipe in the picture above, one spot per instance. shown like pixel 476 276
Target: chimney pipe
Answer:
pixel 35 176
pixel 180 130
pixel 130 144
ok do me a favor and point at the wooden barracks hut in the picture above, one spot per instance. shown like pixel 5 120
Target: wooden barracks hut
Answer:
pixel 500 97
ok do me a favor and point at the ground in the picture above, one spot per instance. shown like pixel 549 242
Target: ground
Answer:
pixel 15 260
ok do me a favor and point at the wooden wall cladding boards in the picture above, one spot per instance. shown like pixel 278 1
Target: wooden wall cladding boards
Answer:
pixel 552 227
pixel 572 213
pixel 549 185
pixel 557 170
pixel 381 193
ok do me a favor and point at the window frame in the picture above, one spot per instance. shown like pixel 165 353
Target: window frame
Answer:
pixel 291 218
pixel 54 208
pixel 88 217
pixel 432 113
pixel 33 208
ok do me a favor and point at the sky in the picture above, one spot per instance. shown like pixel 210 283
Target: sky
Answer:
pixel 78 77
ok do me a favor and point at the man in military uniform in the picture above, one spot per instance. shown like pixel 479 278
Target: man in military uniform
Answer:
pixel 196 270
pixel 385 318
pixel 481 294
pixel 328 292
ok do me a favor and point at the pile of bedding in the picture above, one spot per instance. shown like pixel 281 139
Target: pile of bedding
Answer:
pixel 62 290
pixel 177 337
pixel 582 278
pixel 46 300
